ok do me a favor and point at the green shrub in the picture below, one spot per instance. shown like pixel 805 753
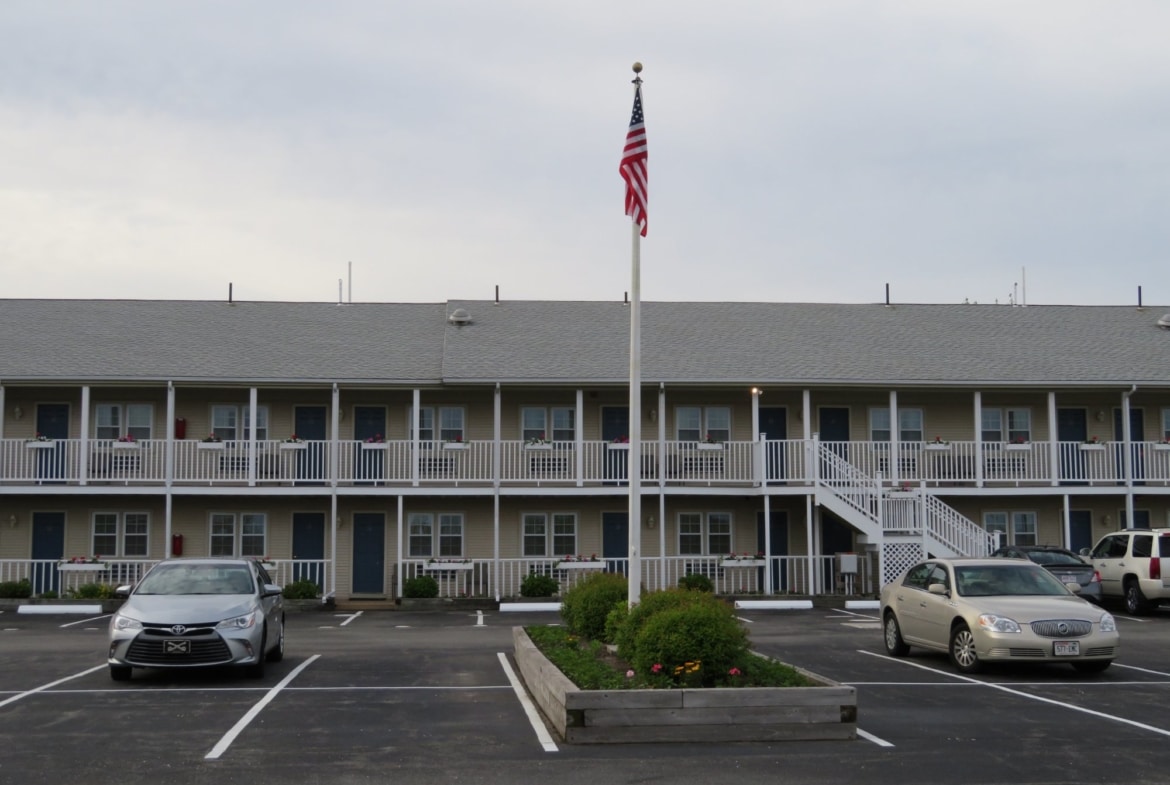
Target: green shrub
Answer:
pixel 615 621
pixel 423 586
pixel 695 645
pixel 539 586
pixel 49 595
pixel 581 662
pixel 587 605
pixel 18 590
pixel 303 589
pixel 92 591
pixel 650 604
pixel 695 582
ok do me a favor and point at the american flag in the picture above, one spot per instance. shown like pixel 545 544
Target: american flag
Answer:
pixel 633 168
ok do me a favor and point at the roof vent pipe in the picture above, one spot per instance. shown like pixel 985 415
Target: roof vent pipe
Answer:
pixel 497 302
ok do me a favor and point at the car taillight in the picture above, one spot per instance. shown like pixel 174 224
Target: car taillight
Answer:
pixel 1096 577
pixel 1155 569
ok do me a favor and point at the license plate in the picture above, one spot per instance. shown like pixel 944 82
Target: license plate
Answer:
pixel 1066 649
pixel 1070 579
pixel 184 647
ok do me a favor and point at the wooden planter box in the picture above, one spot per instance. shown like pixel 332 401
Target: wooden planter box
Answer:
pixel 705 446
pixel 448 566
pixel 1018 447
pixel 538 447
pixel 1092 447
pixel 731 564
pixel 937 447
pixel 580 565
pixel 293 445
pixel 455 445
pixel 373 445
pixel 619 445
pixel 125 445
pixel 211 445
pixel 38 445
pixel 82 567
pixel 686 715
pixel 1162 447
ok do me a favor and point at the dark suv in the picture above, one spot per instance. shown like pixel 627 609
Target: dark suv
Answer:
pixel 1134 565
pixel 1071 569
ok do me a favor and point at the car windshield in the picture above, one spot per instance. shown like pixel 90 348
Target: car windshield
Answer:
pixel 1054 557
pixel 197 579
pixel 989 581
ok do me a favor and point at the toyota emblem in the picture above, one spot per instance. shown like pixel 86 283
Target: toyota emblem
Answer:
pixel 179 629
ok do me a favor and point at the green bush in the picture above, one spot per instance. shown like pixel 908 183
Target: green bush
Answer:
pixel 695 582
pixel 587 605
pixel 695 645
pixel 303 589
pixel 17 590
pixel 539 586
pixel 616 621
pixel 423 586
pixel 92 591
pixel 650 604
pixel 49 595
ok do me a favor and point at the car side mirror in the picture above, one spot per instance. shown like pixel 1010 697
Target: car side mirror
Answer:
pixel 939 588
pixel 1084 551
pixel 272 590
pixel 122 592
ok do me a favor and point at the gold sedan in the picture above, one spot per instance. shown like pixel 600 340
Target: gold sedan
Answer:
pixel 995 610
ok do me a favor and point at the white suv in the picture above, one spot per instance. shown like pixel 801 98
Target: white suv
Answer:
pixel 1134 565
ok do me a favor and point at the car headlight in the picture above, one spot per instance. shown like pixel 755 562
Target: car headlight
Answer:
pixel 1108 623
pixel 238 622
pixel 989 621
pixel 121 622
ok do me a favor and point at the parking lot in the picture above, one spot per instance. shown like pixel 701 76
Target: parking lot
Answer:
pixel 427 697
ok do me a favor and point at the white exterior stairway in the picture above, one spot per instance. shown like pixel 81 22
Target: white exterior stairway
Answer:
pixel 905 524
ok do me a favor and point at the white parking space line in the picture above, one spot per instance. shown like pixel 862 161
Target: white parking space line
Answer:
pixel 542 734
pixel 838 612
pixel 1142 670
pixel 87 621
pixel 1021 694
pixel 51 684
pixel 352 616
pixel 870 737
pixel 221 747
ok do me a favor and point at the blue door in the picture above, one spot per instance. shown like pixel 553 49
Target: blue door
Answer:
pixel 369 553
pixel 833 427
pixel 1072 425
pixel 369 425
pixel 308 547
pixel 1137 430
pixel 779 534
pixel 309 424
pixel 48 548
pixel 53 423
pixel 615 540
pixel 1080 530
pixel 774 425
pixel 615 424
pixel 836 537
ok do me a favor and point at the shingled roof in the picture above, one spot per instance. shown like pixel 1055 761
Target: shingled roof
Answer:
pixel 557 342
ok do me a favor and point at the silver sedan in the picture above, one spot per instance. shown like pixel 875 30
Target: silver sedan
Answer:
pixel 188 613
pixel 986 610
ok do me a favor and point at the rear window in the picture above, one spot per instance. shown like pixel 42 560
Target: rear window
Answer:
pixel 1164 545
pixel 1054 557
pixel 1143 545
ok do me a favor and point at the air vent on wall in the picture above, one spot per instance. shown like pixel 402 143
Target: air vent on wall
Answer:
pixel 459 317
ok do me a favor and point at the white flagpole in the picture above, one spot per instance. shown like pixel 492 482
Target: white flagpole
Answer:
pixel 634 465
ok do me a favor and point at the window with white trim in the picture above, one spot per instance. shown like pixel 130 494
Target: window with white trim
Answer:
pixel 120 534
pixel 1018 422
pixel 420 528
pixel 703 423
pixel 232 423
pixel 702 534
pixel 556 423
pixel 450 534
pixel 549 534
pixel 116 420
pixel 249 539
pixel 1015 527
pixel 452 425
pixel 910 427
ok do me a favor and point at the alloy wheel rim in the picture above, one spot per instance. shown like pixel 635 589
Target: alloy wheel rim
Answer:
pixel 965 649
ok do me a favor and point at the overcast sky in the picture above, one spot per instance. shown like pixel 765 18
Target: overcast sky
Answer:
pixel 800 150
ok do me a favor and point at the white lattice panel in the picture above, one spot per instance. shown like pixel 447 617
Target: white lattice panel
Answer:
pixel 898 556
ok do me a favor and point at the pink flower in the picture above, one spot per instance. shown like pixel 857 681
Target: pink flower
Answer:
pixel 629 674
pixel 657 668
pixel 735 672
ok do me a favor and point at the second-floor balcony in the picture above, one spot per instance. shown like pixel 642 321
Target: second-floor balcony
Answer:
pixel 587 463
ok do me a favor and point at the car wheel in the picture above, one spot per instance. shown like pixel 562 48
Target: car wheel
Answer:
pixel 120 672
pixel 1135 602
pixel 256 670
pixel 1095 666
pixel 277 653
pixel 963 650
pixel 895 646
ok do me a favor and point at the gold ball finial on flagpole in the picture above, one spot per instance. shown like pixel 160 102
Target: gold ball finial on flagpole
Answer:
pixel 637 68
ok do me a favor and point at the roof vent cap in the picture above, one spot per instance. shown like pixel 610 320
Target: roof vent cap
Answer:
pixel 1164 321
pixel 459 317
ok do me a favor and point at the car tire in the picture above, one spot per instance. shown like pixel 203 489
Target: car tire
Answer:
pixel 277 653
pixel 256 670
pixel 895 646
pixel 1094 666
pixel 1135 602
pixel 962 650
pixel 120 672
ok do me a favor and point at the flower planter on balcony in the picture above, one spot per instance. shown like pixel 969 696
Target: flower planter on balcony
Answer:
pixel 937 447
pixel 269 566
pixel 619 445
pixel 293 445
pixel 1162 447
pixel 447 566
pixel 125 445
pixel 1092 447
pixel 1018 447
pixel 83 567
pixel 706 446
pixel 373 445
pixel 455 445
pixel 580 565
pixel 40 445
pixel 211 445
pixel 538 447
pixel 730 564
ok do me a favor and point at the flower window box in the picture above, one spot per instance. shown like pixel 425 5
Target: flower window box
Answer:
pixel 83 566
pixel 937 447
pixel 1013 447
pixel 709 446
pixel 373 445
pixel 456 445
pixel 539 446
pixel 125 445
pixel 293 445
pixel 211 445
pixel 581 565
pixel 1092 447
pixel 1162 447
pixel 734 563
pixel 619 445
pixel 40 445
pixel 447 566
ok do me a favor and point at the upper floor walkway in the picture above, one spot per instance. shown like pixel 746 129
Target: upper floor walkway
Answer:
pixel 489 463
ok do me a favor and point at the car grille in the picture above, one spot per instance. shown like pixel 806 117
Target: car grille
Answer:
pixel 1017 652
pixel 1072 628
pixel 206 647
pixel 1100 651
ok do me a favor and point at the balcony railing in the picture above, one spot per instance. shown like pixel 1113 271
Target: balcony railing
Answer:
pixel 567 464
